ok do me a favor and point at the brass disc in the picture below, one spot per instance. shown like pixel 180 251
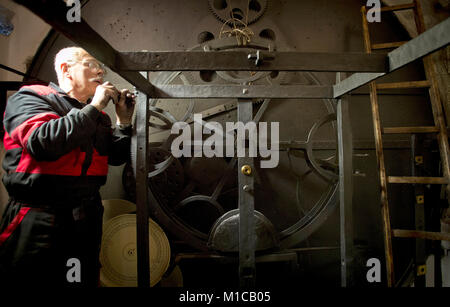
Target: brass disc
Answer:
pixel 118 252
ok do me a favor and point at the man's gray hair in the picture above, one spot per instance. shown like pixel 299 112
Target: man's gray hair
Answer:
pixel 69 54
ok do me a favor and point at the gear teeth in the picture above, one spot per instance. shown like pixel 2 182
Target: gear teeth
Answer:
pixel 253 16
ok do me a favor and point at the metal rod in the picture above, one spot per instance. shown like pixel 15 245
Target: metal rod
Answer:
pixel 345 154
pixel 142 211
pixel 242 91
pixel 247 237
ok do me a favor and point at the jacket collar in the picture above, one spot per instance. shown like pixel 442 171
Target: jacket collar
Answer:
pixel 63 93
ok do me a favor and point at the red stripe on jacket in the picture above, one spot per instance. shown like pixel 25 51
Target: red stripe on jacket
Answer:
pixel 13 225
pixel 8 142
pixel 99 165
pixel 68 165
pixel 21 134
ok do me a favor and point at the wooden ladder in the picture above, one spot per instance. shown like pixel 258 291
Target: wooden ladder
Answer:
pixel 439 128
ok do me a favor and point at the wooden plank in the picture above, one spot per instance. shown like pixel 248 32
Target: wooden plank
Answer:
pixel 438 113
pixel 423 180
pixel 387 45
pixel 397 7
pixel 428 235
pixel 407 130
pixel 380 162
pixel 399 85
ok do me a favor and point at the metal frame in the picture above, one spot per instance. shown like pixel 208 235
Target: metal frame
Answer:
pixel 244 61
pixel 127 64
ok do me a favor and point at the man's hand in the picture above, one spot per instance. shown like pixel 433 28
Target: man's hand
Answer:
pixel 124 108
pixel 103 93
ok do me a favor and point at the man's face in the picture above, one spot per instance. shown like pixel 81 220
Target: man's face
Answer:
pixel 86 75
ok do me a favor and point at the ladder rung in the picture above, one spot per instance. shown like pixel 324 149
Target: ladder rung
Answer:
pixel 402 233
pixel 387 45
pixel 397 7
pixel 406 130
pixel 408 84
pixel 424 180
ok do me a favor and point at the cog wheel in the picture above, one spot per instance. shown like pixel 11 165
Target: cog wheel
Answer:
pixel 223 10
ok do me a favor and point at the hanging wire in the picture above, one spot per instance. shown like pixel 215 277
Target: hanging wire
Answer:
pixel 242 33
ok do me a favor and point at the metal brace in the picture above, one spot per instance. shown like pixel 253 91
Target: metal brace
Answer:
pixel 259 57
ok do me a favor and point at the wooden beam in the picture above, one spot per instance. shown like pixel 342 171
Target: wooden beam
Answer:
pixel 407 130
pixel 423 180
pixel 397 7
pixel 387 45
pixel 401 85
pixel 439 236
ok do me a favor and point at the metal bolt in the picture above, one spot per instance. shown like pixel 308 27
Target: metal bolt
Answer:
pixel 245 91
pixel 206 48
pixel 246 188
pixel 246 170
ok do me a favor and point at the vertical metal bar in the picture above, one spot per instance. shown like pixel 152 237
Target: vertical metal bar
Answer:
pixel 142 211
pixel 246 206
pixel 345 153
pixel 380 161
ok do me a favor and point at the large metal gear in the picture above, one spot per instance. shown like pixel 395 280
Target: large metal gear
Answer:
pixel 223 10
pixel 206 196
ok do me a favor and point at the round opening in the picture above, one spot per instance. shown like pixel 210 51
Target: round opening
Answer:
pixel 207 75
pixel 204 37
pixel 254 6
pixel 268 34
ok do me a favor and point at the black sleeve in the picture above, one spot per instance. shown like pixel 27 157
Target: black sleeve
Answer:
pixel 31 122
pixel 120 146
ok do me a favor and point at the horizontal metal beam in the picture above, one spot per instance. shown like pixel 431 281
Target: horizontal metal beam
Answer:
pixel 422 45
pixel 54 13
pixel 240 61
pixel 241 91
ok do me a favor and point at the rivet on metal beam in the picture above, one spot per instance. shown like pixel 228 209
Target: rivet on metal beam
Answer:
pixel 246 170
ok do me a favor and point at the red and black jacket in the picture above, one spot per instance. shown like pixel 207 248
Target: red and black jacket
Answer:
pixel 56 145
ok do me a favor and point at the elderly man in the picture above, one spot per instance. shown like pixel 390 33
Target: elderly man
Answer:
pixel 58 147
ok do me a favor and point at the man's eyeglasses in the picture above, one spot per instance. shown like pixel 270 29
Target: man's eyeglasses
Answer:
pixel 93 65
